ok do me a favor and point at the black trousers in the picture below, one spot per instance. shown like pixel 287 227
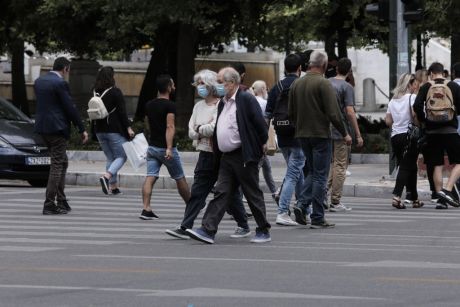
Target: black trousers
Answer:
pixel 57 146
pixel 407 161
pixel 232 173
pixel 204 179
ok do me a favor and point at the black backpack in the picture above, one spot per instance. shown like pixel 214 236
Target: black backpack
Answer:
pixel 283 126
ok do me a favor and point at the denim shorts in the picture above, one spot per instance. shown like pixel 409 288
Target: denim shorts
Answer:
pixel 156 158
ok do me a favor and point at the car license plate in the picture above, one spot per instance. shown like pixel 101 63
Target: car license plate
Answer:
pixel 38 161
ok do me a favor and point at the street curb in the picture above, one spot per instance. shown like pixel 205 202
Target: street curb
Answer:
pixel 164 182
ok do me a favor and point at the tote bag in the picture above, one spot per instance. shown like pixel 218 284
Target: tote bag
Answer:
pixel 136 151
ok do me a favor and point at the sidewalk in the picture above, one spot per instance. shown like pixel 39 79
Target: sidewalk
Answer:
pixel 369 179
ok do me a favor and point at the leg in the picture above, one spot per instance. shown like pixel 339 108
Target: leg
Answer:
pixel 147 191
pixel 56 181
pixel 248 176
pixel 437 177
pixel 104 142
pixel 182 187
pixel 339 168
pixel 237 210
pixel 226 187
pixel 295 163
pixel 203 182
pixel 267 173
pixel 119 157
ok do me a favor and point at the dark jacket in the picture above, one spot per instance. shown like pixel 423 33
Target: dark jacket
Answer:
pixel 251 126
pixel 55 110
pixel 283 141
pixel 117 121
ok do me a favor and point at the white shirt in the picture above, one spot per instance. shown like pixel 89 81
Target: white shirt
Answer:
pixel 228 135
pixel 401 113
pixel 262 104
pixel 203 115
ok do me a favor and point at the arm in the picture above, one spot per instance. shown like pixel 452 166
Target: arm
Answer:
pixel 328 94
pixel 419 104
pixel 255 113
pixel 351 115
pixel 271 101
pixel 121 110
pixel 70 110
pixel 192 133
pixel 389 120
pixel 207 130
pixel 170 131
pixel 292 107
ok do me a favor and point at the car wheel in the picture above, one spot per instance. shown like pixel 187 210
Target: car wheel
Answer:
pixel 38 183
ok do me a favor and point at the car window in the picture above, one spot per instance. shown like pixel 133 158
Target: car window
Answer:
pixel 10 112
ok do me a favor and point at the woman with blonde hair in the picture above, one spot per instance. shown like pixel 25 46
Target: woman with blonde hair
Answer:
pixel 399 115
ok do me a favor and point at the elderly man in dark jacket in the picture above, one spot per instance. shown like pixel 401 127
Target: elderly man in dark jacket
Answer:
pixel 55 112
pixel 239 141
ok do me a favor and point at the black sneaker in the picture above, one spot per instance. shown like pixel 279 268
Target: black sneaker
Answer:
pixel 178 233
pixel 116 191
pixel 148 215
pixel 300 216
pixel 448 197
pixel 104 185
pixel 434 197
pixel 441 206
pixel 53 209
pixel 63 204
pixel 321 224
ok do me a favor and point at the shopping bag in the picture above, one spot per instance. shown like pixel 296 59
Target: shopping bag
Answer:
pixel 136 151
pixel 272 143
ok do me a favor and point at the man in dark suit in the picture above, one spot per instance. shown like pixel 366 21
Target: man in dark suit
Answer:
pixel 55 112
pixel 240 141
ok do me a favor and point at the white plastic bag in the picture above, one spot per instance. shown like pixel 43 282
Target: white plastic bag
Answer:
pixel 136 151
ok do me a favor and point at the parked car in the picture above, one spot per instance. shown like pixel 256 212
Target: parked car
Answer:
pixel 23 153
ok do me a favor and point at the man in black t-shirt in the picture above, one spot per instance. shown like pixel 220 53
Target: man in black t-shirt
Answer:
pixel 160 115
pixel 441 136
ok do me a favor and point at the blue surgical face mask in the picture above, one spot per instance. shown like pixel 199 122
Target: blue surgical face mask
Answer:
pixel 220 89
pixel 202 91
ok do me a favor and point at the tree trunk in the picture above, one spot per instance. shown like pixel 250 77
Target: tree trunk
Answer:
pixel 329 45
pixel 185 93
pixel 342 44
pixel 158 64
pixel 19 92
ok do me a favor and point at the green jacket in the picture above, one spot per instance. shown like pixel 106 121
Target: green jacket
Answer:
pixel 313 107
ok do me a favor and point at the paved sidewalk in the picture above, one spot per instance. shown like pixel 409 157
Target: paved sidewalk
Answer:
pixel 366 179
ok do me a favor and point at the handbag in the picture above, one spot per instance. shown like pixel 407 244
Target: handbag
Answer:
pixel 272 143
pixel 415 135
pixel 136 151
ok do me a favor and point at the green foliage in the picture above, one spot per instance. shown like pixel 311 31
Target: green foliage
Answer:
pixel 376 136
pixel 75 139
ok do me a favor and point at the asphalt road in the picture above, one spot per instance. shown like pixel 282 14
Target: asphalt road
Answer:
pixel 101 254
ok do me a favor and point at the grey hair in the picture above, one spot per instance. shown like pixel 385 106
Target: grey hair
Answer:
pixel 231 75
pixel 318 58
pixel 209 78
pixel 258 85
pixel 402 87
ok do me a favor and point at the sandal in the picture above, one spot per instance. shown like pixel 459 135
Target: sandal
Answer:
pixel 396 202
pixel 417 204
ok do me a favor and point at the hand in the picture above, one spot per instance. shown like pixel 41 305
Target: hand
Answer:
pixel 348 139
pixel 359 141
pixel 168 154
pixel 84 137
pixel 131 132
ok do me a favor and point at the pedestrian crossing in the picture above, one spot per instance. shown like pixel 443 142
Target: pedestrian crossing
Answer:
pixel 100 220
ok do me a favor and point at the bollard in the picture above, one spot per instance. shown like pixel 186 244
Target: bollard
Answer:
pixel 369 104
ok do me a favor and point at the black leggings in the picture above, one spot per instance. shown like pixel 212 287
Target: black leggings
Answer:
pixel 407 161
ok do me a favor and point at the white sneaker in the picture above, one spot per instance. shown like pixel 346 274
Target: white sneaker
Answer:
pixel 339 208
pixel 347 173
pixel 285 220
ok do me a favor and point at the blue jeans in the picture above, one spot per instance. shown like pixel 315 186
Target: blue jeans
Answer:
pixel 111 144
pixel 317 153
pixel 293 180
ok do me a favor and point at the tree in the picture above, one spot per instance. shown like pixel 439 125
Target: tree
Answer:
pixel 19 24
